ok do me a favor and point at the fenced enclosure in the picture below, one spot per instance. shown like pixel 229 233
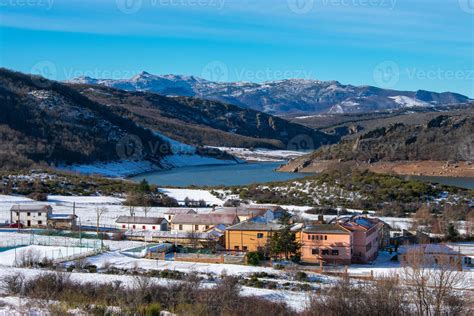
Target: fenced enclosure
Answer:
pixel 46 240
pixel 17 250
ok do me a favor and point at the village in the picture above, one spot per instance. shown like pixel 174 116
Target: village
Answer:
pixel 280 253
pixel 247 234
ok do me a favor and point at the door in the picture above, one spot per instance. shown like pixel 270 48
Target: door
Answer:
pixel 28 223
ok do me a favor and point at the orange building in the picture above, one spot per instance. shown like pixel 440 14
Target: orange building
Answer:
pixel 327 244
pixel 251 235
pixel 365 232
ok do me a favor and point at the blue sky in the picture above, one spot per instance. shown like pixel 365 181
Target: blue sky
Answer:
pixel 399 44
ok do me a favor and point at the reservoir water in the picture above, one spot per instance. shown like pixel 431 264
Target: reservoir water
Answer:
pixel 244 174
pixel 241 174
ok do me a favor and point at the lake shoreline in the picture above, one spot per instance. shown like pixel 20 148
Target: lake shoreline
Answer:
pixel 401 168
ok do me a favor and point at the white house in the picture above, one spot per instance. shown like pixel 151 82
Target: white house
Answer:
pixel 30 215
pixel 141 223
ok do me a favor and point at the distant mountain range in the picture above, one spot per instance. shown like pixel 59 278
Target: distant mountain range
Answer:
pixel 284 96
pixel 54 122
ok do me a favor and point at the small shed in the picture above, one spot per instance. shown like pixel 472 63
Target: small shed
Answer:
pixel 62 221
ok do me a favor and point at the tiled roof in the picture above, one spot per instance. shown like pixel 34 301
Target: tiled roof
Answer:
pixel 30 208
pixel 205 219
pixel 176 211
pixel 257 225
pixel 358 223
pixel 325 229
pixel 240 211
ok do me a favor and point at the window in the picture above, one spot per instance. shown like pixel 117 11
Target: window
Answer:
pixel 236 247
pixel 143 227
pixel 196 227
pixel 39 214
pixel 28 214
pixel 124 226
pixel 244 248
pixel 315 251
pixel 325 252
pixel 259 235
pixel 40 222
pixel 309 237
pixel 180 227
pixel 467 260
pixel 325 237
pixel 133 227
pixel 207 227
pixel 334 252
pixel 153 227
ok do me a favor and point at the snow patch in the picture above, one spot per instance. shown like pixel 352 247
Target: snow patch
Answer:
pixel 115 169
pixel 180 194
pixel 408 102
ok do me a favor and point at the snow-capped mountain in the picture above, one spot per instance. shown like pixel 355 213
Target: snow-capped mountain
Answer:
pixel 284 96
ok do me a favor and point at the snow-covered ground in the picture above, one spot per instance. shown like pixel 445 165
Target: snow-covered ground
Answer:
pixel 181 194
pixel 409 102
pixel 123 168
pixel 86 206
pixel 13 257
pixel 119 260
pixel 262 154
pixel 183 156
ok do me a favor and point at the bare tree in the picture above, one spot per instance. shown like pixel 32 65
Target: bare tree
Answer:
pixel 470 224
pixel 146 207
pixel 434 281
pixel 100 212
pixel 422 218
pixel 193 237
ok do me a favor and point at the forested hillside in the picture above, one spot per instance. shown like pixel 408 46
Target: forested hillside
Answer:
pixel 203 122
pixel 442 138
pixel 45 121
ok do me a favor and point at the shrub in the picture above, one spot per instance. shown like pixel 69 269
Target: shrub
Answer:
pixel 301 276
pixel 254 258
